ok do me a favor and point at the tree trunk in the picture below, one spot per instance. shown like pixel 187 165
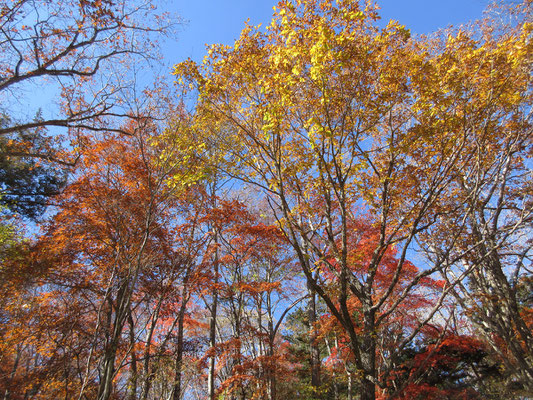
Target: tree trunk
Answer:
pixel 368 357
pixel 212 329
pixel 314 351
pixel 133 369
pixel 147 373
pixel 110 351
pixel 349 385
pixel 7 394
pixel 179 350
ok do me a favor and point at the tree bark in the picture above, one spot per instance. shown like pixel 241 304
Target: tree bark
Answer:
pixel 368 356
pixel 314 351
pixel 176 395
pixel 133 369
pixel 212 329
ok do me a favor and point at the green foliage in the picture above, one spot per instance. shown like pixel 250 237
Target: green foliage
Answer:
pixel 27 176
pixel 9 237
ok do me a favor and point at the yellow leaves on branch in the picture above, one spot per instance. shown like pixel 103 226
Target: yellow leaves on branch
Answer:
pixel 324 89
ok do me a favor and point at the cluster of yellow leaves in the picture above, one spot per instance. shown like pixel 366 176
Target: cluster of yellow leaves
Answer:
pixel 323 99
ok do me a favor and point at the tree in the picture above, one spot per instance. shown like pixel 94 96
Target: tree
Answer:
pixel 482 76
pixel 255 296
pixel 451 369
pixel 305 345
pixel 71 46
pixel 105 258
pixel 395 323
pixel 26 182
pixel 316 112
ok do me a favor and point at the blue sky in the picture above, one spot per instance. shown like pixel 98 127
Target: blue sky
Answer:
pixel 216 21
pixel 221 21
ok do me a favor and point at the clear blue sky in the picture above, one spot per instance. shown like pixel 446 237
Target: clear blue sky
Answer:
pixel 220 21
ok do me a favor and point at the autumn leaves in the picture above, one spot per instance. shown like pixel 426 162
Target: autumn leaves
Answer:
pixel 335 119
pixel 382 250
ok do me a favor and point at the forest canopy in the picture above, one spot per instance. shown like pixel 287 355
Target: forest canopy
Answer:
pixel 330 208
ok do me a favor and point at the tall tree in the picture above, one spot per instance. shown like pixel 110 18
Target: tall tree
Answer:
pixel 96 263
pixel 316 112
pixel 482 91
pixel 332 116
pixel 255 296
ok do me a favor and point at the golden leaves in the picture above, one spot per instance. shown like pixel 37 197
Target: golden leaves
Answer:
pixel 323 94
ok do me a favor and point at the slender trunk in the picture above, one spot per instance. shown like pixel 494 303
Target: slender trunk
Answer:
pixel 110 353
pixel 237 315
pixel 263 367
pixel 7 394
pixel 108 363
pixel 212 329
pixel 179 361
pixel 147 374
pixel 106 383
pixel 271 373
pixel 212 344
pixel 179 351
pixel 334 375
pixel 349 385
pixel 133 368
pixel 314 351
pixel 272 390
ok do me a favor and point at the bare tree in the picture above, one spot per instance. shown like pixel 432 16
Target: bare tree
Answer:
pixel 78 51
